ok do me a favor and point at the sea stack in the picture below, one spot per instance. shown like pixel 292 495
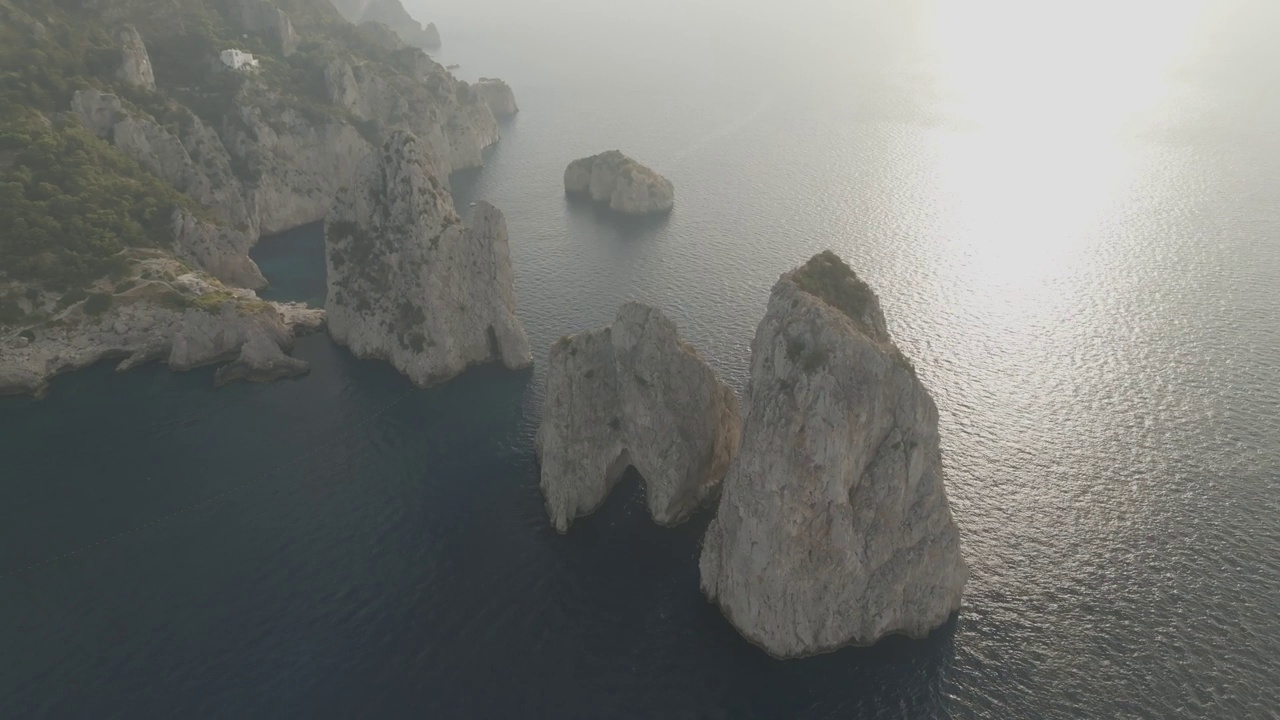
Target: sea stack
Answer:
pixel 833 526
pixel 408 282
pixel 633 394
pixel 623 184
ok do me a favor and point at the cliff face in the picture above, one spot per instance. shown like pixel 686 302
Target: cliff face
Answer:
pixel 408 282
pixel 162 312
pixel 624 184
pixel 833 527
pixel 392 14
pixel 452 119
pixel 633 394
pixel 498 96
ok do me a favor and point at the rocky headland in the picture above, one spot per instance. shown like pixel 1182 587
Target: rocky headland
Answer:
pixel 623 184
pixel 498 96
pixel 633 394
pixel 833 526
pixel 160 310
pixel 254 151
pixel 409 282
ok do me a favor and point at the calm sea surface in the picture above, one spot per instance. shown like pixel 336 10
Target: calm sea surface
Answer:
pixel 1072 216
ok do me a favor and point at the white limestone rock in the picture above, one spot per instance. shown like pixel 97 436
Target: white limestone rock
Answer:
pixel 135 65
pixel 261 360
pixel 498 96
pixel 624 184
pixel 98 111
pixel 833 527
pixel 633 394
pixel 408 282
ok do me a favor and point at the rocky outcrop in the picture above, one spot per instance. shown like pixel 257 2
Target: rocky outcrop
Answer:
pixel 298 162
pixel 98 111
pixel 431 36
pixel 833 526
pixel 448 115
pixel 498 96
pixel 165 313
pixel 624 184
pixel 135 64
pixel 392 14
pixel 633 394
pixel 261 360
pixel 218 251
pixel 194 161
pixel 263 18
pixel 408 282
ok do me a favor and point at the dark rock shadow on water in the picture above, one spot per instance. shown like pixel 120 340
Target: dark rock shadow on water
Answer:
pixel 293 263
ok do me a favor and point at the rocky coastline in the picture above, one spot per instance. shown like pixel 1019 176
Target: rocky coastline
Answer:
pixel 254 157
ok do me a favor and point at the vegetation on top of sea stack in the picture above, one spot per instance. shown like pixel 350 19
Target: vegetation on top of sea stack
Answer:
pixel 831 280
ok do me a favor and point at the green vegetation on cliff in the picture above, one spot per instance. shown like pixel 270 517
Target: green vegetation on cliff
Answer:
pixel 70 203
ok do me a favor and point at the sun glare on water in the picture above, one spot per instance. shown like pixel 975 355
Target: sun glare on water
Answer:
pixel 1043 102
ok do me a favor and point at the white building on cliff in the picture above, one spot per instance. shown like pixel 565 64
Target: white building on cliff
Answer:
pixel 238 59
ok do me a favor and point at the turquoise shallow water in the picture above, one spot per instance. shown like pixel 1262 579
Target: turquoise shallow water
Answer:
pixel 1079 249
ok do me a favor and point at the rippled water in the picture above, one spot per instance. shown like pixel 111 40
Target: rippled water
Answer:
pixel 1072 218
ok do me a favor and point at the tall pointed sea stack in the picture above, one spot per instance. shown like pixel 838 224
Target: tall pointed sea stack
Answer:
pixel 408 282
pixel 833 527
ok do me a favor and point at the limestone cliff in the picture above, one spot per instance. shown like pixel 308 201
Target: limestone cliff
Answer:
pixel 408 282
pixel 498 96
pixel 163 312
pixel 447 114
pixel 392 14
pixel 833 526
pixel 624 184
pixel 633 394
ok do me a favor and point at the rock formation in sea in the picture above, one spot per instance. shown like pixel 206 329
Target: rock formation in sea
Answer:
pixel 624 184
pixel 633 394
pixel 161 311
pixel 409 282
pixel 833 526
pixel 261 359
pixel 499 97
pixel 135 65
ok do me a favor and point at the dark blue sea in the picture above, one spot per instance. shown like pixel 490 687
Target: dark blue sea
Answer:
pixel 1071 212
